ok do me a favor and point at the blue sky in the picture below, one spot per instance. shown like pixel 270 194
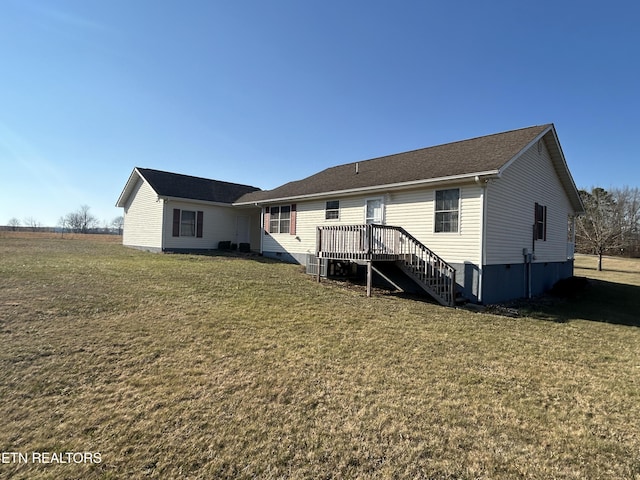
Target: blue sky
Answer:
pixel 264 92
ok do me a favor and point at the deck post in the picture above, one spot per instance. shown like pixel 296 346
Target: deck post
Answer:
pixel 367 243
pixel 318 250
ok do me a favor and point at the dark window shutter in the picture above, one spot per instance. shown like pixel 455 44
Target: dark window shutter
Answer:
pixel 540 223
pixel 292 226
pixel 199 219
pixel 176 222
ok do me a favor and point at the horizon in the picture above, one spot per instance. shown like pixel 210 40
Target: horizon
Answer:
pixel 264 94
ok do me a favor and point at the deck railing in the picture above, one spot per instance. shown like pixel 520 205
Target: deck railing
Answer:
pixel 389 243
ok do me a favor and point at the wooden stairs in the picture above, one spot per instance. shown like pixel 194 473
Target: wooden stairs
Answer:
pixel 383 243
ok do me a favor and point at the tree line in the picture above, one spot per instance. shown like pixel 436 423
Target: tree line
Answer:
pixel 610 224
pixel 79 221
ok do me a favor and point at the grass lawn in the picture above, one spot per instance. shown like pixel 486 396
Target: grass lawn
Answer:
pixel 184 366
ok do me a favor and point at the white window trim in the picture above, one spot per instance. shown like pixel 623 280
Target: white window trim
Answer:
pixel 436 211
pixel 279 207
pixel 327 210
pixel 184 223
pixel 382 207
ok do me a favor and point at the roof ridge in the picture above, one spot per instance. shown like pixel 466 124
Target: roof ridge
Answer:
pixel 194 177
pixel 481 154
pixel 542 127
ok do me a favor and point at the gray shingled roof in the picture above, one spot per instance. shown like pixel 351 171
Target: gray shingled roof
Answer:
pixel 167 184
pixel 467 157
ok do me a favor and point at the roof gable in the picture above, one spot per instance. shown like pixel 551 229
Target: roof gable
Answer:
pixel 550 139
pixel 175 185
pixel 467 158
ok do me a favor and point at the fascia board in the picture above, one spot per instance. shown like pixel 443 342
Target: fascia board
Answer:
pixel 192 200
pixel 569 178
pixel 126 191
pixel 378 188
pixel 559 160
pixel 526 147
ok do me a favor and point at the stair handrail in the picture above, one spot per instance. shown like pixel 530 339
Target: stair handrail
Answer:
pixel 441 271
pixel 355 246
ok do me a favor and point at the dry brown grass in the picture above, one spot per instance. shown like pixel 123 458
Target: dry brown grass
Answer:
pixel 182 366
pixel 615 269
pixel 27 235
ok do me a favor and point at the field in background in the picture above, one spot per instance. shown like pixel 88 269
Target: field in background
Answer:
pixel 26 235
pixel 612 295
pixel 612 268
pixel 185 366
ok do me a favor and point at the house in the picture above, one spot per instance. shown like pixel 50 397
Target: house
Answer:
pixel 490 218
pixel 166 211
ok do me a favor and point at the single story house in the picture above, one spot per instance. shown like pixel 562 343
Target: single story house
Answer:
pixel 166 211
pixel 489 218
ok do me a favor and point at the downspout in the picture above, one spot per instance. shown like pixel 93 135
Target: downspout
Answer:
pixel 483 233
pixel 573 242
pixel 261 228
pixel 529 258
pixel 163 230
pixel 525 252
pixel 529 255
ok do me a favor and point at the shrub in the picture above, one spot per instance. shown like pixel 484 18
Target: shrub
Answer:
pixel 569 287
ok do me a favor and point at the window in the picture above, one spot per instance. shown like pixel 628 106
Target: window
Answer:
pixel 540 224
pixel 280 219
pixel 332 210
pixel 187 223
pixel 447 210
pixel 374 211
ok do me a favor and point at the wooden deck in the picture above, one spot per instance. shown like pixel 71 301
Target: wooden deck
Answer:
pixel 376 243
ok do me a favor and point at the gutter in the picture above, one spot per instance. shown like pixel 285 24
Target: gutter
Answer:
pixel 391 186
pixel 192 200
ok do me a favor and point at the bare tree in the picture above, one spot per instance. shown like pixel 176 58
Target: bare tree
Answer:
pixel 32 223
pixel 81 221
pixel 14 223
pixel 118 224
pixel 62 223
pixel 600 229
pixel 628 202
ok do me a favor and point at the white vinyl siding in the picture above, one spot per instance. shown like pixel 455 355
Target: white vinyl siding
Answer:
pixel 308 215
pixel 143 218
pixel 447 210
pixel 413 210
pixel 374 211
pixel 187 223
pixel 219 224
pixel 280 219
pixel 511 200
pixel 332 210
